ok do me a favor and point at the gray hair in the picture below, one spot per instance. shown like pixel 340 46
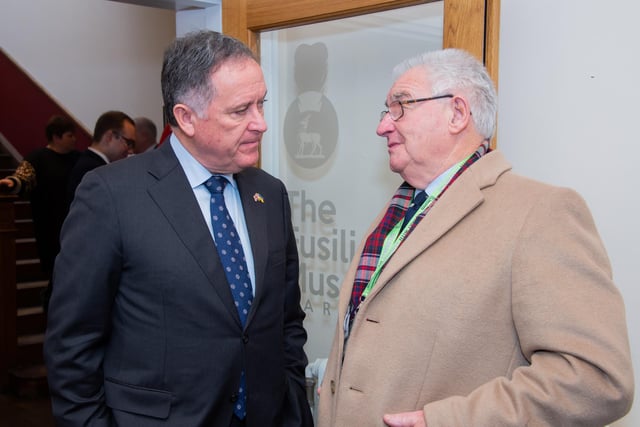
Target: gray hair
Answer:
pixel 454 70
pixel 187 67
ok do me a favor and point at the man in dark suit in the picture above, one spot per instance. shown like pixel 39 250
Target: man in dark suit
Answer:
pixel 113 139
pixel 143 326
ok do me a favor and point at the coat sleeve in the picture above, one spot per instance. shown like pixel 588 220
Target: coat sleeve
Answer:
pixel 84 284
pixel 570 323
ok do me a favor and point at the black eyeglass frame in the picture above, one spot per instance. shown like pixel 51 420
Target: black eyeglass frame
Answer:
pixel 130 142
pixel 409 101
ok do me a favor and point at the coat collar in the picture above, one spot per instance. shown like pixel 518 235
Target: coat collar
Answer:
pixel 464 195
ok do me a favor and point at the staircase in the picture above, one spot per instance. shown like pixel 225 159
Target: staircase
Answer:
pixel 28 376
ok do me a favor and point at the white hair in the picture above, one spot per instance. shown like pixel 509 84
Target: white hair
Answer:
pixel 455 70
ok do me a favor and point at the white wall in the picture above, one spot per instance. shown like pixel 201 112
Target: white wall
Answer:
pixel 569 110
pixel 91 55
pixel 197 19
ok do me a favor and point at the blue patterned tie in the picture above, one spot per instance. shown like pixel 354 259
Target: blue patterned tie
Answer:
pixel 234 263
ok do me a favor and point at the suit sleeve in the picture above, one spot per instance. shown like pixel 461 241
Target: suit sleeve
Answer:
pixel 296 412
pixel 570 322
pixel 84 284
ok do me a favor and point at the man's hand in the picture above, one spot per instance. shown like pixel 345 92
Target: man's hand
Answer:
pixel 6 182
pixel 405 419
pixel 7 186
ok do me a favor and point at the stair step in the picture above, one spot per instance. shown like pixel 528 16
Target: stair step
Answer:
pixel 31 285
pixel 29 350
pixel 29 311
pixel 29 371
pixel 30 323
pixel 22 209
pixel 26 248
pixel 29 294
pixel 30 298
pixel 25 228
pixel 28 340
pixel 29 270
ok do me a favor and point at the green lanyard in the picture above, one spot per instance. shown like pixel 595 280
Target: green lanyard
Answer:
pixel 396 236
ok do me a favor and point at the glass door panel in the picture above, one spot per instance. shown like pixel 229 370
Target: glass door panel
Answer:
pixel 328 83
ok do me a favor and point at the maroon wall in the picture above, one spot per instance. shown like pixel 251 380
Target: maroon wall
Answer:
pixel 25 109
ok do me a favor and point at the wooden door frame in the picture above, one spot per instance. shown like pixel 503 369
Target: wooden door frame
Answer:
pixel 473 25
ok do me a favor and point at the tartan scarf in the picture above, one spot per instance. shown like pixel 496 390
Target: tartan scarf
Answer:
pixel 395 212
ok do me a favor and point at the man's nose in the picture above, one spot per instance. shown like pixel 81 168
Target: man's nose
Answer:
pixel 386 125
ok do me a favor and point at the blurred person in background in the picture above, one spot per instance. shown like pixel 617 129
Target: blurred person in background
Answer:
pixel 43 177
pixel 146 135
pixel 114 137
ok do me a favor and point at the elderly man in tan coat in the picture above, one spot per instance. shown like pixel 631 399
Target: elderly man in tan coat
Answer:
pixel 480 298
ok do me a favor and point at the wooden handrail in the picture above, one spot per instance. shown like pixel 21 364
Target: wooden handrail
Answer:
pixel 8 312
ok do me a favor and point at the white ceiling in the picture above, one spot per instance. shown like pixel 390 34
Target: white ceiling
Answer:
pixel 173 4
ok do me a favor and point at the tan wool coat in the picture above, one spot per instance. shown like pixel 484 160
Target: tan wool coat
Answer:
pixel 498 310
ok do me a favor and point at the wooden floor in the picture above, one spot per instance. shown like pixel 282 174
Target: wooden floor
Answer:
pixel 25 411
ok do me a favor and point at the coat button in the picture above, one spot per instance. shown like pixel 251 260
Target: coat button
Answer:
pixel 333 387
pixel 234 398
pixel 245 338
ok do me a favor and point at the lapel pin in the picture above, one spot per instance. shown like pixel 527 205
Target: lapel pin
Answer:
pixel 258 198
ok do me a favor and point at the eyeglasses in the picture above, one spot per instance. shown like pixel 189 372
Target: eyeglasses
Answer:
pixel 130 142
pixel 396 111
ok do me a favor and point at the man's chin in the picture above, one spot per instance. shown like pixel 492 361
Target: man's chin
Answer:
pixel 249 160
pixel 394 166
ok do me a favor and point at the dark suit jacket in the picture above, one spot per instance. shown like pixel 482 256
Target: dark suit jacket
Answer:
pixel 142 327
pixel 87 161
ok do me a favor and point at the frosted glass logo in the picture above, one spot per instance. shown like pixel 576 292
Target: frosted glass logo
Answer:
pixel 311 123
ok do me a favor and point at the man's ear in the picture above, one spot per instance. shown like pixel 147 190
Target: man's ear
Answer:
pixel 186 118
pixel 461 116
pixel 108 136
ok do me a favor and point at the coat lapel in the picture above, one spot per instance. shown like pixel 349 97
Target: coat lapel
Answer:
pixel 458 201
pixel 174 197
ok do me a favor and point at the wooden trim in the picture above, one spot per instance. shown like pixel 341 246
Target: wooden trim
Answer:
pixel 464 25
pixel 492 48
pixel 492 37
pixel 270 14
pixel 234 22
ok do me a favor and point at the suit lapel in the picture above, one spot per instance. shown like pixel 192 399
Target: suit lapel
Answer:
pixel 255 217
pixel 174 197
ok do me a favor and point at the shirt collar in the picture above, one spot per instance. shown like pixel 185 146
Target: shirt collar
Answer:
pixel 195 172
pixel 100 153
pixel 440 180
